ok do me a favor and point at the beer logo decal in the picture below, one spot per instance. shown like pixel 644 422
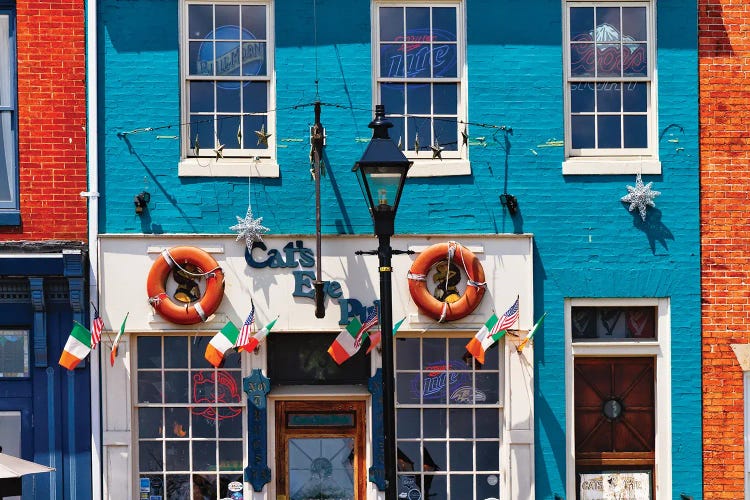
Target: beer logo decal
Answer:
pixel 233 58
pixel 440 377
pixel 608 53
pixel 226 392
pixel 413 59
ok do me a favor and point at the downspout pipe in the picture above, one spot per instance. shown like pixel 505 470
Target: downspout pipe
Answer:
pixel 92 131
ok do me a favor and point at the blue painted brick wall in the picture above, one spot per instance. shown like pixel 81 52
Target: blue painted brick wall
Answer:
pixel 587 244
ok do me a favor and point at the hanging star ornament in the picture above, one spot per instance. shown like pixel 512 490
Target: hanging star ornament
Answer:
pixel 640 196
pixel 437 151
pixel 219 151
pixel 465 136
pixel 416 143
pixel 262 135
pixel 249 228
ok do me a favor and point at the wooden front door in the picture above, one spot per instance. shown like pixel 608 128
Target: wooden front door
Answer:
pixel 614 414
pixel 320 450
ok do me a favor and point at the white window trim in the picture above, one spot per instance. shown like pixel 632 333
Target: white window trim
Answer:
pixel 454 162
pixel 263 165
pixel 660 348
pixel 605 163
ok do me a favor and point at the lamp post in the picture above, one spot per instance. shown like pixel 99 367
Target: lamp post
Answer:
pixel 381 173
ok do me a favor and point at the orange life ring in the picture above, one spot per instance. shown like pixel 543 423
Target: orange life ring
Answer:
pixel 188 313
pixel 464 259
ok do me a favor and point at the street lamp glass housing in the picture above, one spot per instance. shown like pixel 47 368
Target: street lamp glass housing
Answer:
pixel 382 170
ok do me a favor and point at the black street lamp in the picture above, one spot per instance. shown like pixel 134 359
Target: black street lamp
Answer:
pixel 381 173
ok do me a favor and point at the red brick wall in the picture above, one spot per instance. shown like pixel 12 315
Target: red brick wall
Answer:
pixel 51 120
pixel 724 56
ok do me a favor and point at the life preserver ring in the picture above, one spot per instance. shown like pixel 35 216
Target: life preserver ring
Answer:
pixel 188 313
pixel 461 257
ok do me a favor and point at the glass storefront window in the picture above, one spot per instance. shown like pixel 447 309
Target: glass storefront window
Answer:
pixel 189 416
pixel 448 419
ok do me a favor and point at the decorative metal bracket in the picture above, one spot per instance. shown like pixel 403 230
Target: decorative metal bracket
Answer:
pixel 377 471
pixel 256 386
pixel 36 287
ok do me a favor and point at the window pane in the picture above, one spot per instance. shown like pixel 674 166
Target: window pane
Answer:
pixel 409 456
pixel 230 422
pixel 434 456
pixel 488 486
pixel 177 453
pixel 178 486
pixel 227 16
pixel 14 344
pixel 418 98
pixel 488 388
pixel 487 423
pixel 613 323
pixel 251 125
pixel 178 421
pixel 230 455
pixel 254 58
pixel 462 484
pixel 582 132
pixel 408 423
pixel 462 455
pixel 392 97
pixel 418 22
pixel 150 423
pixel 445 97
pixel 608 60
pixel 581 23
pixel 436 487
pixel 202 134
pixel 149 387
pixel 201 97
pixel 204 423
pixel 444 61
pixel 635 131
pixel 443 24
pixel 582 59
pixel 607 24
pixel 198 343
pixel 392 60
pixel 608 131
pixel 408 388
pixel 227 130
pixel 7 156
pixel 228 98
pixel 254 21
pixel 435 422
pixel 176 387
pixel 149 456
pixel 175 352
pixel 635 59
pixel 488 455
pixel 634 24
pixel 149 352
pixel 200 60
pixel 461 423
pixel 635 97
pixel 608 97
pixel 204 486
pixel 446 133
pixel 202 387
pixel 391 23
pixel 227 61
pixel 418 60
pixel 204 455
pixel 200 20
pixel 407 353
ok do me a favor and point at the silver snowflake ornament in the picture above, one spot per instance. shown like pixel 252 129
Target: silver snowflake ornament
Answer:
pixel 249 228
pixel 640 196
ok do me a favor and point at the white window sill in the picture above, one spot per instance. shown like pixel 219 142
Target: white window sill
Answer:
pixel 615 165
pixel 439 168
pixel 228 167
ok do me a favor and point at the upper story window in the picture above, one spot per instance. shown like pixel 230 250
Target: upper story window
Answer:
pixel 227 66
pixel 9 208
pixel 418 60
pixel 610 93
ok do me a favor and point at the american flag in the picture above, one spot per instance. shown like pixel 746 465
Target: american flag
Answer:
pixel 96 331
pixel 507 319
pixel 246 331
pixel 370 321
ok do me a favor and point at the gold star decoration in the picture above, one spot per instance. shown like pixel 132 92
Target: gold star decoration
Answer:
pixel 262 135
pixel 239 136
pixel 416 143
pixel 400 144
pixel 437 151
pixel 197 146
pixel 219 151
pixel 465 136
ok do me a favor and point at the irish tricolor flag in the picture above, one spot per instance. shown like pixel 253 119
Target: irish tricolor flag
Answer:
pixel 77 347
pixel 484 338
pixel 345 346
pixel 221 343
pixel 259 337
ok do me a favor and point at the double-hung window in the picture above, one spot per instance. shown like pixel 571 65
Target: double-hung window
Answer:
pixel 610 96
pixel 227 94
pixel 9 208
pixel 418 61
